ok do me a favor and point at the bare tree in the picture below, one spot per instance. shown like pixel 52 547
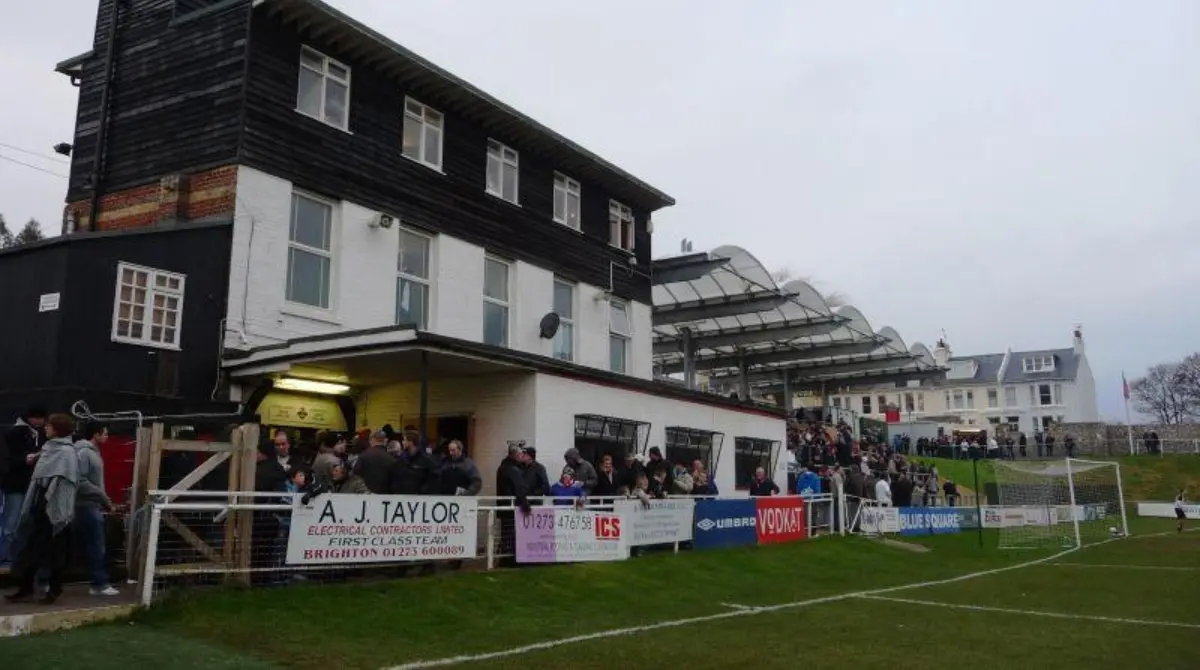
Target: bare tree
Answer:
pixel 1187 379
pixel 32 232
pixel 6 238
pixel 1161 394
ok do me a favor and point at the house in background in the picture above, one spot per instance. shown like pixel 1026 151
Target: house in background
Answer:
pixel 1025 391
pixel 398 247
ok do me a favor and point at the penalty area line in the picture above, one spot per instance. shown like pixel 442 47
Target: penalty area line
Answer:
pixel 1041 613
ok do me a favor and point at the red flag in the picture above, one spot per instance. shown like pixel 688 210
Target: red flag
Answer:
pixel 1124 386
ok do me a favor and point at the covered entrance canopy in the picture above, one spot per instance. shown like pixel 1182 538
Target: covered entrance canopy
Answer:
pixel 722 315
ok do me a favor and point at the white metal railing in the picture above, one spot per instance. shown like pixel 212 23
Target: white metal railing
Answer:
pixel 199 544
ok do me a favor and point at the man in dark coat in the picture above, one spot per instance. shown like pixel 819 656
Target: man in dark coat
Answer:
pixel 24 441
pixel 374 466
pixel 414 472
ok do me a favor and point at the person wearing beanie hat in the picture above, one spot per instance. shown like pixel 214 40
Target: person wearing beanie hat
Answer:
pixel 566 490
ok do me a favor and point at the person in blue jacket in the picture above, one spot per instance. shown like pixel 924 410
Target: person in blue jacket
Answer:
pixel 567 491
pixel 808 484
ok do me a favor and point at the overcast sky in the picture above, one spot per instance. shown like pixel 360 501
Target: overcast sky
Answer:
pixel 1001 170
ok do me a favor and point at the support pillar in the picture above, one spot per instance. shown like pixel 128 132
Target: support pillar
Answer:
pixel 743 377
pixel 424 402
pixel 689 359
pixel 787 392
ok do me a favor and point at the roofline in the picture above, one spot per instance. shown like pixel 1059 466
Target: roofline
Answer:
pixel 83 236
pixel 400 337
pixel 663 199
pixel 73 63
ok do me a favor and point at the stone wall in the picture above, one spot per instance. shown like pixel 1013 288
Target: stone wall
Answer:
pixel 1110 439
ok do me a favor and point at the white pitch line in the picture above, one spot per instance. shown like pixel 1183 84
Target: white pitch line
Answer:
pixel 1052 615
pixel 735 606
pixel 676 623
pixel 1122 567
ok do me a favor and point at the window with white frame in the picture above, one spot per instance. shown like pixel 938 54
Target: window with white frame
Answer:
pixel 620 225
pixel 323 91
pixel 423 133
pixel 564 307
pixel 502 171
pixel 958 400
pixel 1058 394
pixel 1010 396
pixel 909 402
pixel 837 402
pixel 866 404
pixel 310 252
pixel 970 400
pixel 495 301
pixel 412 280
pixel 882 404
pixel 1044 395
pixel 618 336
pixel 1039 363
pixel 920 402
pixel 566 200
pixel 148 308
pixel 993 398
pixel 1014 423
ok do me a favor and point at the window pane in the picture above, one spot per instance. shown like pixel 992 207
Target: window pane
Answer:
pixel 564 342
pixel 335 103
pixel 414 255
pixel 412 138
pixel 312 59
pixel 308 278
pixel 616 353
pixel 339 71
pixel 411 303
pixel 510 183
pixel 618 318
pixel 495 324
pixel 433 142
pixel 310 223
pixel 493 174
pixel 308 99
pixel 560 204
pixel 564 299
pixel 573 210
pixel 495 280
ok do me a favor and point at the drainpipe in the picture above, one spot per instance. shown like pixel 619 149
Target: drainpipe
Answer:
pixel 110 55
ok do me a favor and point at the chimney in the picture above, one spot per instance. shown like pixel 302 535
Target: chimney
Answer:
pixel 1077 340
pixel 941 353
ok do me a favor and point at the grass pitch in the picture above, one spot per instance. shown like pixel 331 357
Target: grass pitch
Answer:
pixel 826 603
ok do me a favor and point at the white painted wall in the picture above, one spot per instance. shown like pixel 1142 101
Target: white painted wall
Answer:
pixel 364 284
pixel 559 399
pixel 541 409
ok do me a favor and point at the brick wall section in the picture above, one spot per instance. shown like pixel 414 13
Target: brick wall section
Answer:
pixel 175 197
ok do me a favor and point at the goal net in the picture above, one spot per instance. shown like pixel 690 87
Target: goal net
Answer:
pixel 1066 503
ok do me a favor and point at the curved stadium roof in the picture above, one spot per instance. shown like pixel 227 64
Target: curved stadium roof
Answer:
pixel 724 308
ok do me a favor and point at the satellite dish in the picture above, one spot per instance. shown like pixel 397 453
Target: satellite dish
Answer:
pixel 549 325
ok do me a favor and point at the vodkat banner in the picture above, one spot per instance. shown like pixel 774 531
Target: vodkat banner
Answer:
pixel 558 535
pixel 664 522
pixel 344 528
pixel 780 520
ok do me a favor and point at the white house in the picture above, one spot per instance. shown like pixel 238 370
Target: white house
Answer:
pixel 1026 391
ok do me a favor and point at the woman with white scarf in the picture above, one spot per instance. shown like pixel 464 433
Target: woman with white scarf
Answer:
pixel 48 511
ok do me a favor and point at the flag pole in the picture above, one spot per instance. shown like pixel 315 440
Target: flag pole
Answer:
pixel 1128 422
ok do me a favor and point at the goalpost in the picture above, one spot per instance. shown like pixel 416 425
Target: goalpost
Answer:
pixel 1062 503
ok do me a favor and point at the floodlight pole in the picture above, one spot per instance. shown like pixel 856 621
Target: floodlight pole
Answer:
pixel 978 506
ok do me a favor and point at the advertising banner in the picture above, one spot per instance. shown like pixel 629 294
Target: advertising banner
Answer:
pixel 780 520
pixel 928 520
pixel 725 523
pixel 345 528
pixel 879 520
pixel 1167 510
pixel 664 522
pixel 568 535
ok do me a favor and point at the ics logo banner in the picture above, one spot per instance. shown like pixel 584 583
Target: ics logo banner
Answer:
pixel 780 520
pixel 725 523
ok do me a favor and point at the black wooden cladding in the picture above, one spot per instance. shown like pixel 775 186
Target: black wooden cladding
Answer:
pixel 72 347
pixel 365 165
pixel 176 97
pixel 185 98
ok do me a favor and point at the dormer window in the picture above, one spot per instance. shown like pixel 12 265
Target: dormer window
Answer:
pixel 1040 363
